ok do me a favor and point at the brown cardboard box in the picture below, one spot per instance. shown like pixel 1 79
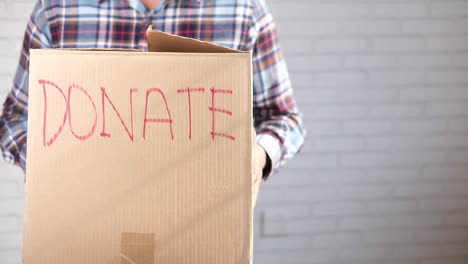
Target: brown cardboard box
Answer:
pixel 139 157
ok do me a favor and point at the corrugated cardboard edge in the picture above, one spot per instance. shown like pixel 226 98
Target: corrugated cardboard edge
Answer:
pixel 159 41
pixel 104 49
pixel 250 72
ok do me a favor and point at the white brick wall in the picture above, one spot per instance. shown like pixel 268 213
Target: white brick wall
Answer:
pixel 383 178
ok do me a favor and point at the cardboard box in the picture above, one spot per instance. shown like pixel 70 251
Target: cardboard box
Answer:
pixel 139 157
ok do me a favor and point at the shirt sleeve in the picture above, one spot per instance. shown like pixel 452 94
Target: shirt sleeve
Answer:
pixel 13 121
pixel 278 121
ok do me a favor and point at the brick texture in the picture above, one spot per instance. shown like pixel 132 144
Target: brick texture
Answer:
pixel 383 177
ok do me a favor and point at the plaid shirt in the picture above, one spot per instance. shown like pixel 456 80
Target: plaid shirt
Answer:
pixel 239 24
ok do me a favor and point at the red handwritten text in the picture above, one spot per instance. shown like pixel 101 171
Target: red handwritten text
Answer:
pixel 128 126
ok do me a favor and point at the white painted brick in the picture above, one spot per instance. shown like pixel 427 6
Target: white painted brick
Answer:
pixel 337 208
pixel 10 256
pixel 364 192
pixel 458 124
pixel 19 10
pixel 443 109
pixel 397 44
pixel 314 63
pixel 295 227
pixel 446 141
pixel 365 95
pixel 4 45
pixel 368 61
pixel 456 219
pixel 274 228
pixel 459 260
pixel 443 235
pixel 10 172
pixel 420 127
pixel 457 156
pixel 371 27
pixel 362 223
pixel 319 10
pixel 318 96
pixel 418 190
pixel 415 222
pixel 16 46
pixel 394 143
pixel 340 79
pixel 445 204
pixel 10 240
pixel 329 178
pixel 461 25
pixel 9 224
pixel 280 243
pixel 395 9
pixel 298 47
pixel 388 237
pixel 299 177
pixel 298 194
pixel 356 255
pixel 315 161
pixel 378 175
pixel 449 8
pixel 395 110
pixel 417 158
pixel 415 251
pixel 459 188
pixel 446 173
pixel 384 207
pixel 428 27
pixel 434 94
pixel 426 61
pixel 294 28
pixel 319 128
pixel 8 66
pixel 447 77
pixel 452 44
pixel 296 256
pixel 334 144
pixel 364 159
pixel 3 8
pixel 341 45
pixel 11 207
pixel 366 127
pixel 282 213
pixel 6 83
pixel 310 226
pixel 12 29
pixel 8 189
pixel 395 77
pixel 330 112
pixel 457 250
pixel 337 240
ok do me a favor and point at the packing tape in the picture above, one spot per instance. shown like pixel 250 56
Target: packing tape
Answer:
pixel 137 248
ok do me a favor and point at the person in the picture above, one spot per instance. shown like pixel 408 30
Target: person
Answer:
pixel 238 24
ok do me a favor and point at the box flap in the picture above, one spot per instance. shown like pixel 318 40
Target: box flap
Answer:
pixel 159 41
